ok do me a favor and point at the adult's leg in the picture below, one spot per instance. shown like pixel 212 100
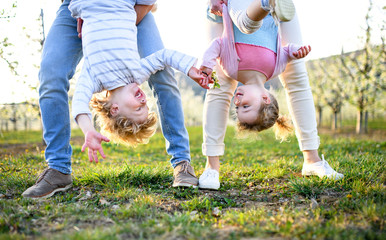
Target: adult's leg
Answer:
pixel 298 91
pixel 215 119
pixel 61 54
pixel 165 90
pixel 301 106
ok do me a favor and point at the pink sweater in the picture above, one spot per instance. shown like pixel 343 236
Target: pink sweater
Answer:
pixel 223 50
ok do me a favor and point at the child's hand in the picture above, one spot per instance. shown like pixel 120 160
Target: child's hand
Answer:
pixel 199 77
pixel 302 52
pixel 93 140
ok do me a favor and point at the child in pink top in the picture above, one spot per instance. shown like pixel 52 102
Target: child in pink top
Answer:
pixel 252 65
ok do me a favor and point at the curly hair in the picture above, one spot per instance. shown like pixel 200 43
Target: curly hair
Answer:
pixel 268 115
pixel 119 128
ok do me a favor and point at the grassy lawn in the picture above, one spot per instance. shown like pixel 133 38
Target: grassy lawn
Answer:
pixel 262 196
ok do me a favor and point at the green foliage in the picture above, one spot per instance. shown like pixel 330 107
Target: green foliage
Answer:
pixel 262 194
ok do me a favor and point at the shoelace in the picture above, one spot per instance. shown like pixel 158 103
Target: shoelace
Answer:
pixel 41 176
pixel 211 173
pixel 326 167
pixel 184 167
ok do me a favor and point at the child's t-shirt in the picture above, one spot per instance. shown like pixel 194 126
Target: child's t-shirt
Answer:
pixel 266 36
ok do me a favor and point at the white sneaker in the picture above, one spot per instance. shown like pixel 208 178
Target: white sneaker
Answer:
pixel 321 169
pixel 284 10
pixel 209 179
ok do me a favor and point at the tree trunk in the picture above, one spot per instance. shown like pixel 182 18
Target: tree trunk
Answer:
pixel 320 115
pixel 334 125
pixel 25 123
pixel 14 122
pixel 366 122
pixel 359 127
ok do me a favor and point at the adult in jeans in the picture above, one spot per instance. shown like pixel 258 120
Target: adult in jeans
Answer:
pixel 61 54
pixel 298 92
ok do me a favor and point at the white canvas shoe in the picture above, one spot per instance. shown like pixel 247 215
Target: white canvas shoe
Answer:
pixel 284 10
pixel 209 179
pixel 321 169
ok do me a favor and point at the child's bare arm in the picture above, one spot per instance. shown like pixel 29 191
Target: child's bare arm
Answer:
pixel 93 139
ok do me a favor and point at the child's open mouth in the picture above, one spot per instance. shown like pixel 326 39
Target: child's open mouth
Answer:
pixel 138 94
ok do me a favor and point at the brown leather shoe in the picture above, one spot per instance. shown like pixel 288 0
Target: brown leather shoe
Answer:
pixel 184 175
pixel 48 183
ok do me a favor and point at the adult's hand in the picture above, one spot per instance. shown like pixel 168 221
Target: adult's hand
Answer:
pixel 79 27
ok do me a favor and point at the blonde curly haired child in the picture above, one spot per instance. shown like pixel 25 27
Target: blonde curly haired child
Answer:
pixel 112 63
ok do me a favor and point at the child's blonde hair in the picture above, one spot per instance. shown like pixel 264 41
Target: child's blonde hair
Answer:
pixel 119 128
pixel 267 116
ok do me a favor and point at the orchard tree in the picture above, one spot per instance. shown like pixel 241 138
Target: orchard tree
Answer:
pixel 366 72
pixel 6 47
pixel 20 67
pixel 334 94
pixel 318 82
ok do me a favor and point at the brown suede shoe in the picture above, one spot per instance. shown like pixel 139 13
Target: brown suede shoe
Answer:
pixel 48 183
pixel 184 175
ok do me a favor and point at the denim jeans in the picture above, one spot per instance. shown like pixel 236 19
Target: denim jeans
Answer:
pixel 61 54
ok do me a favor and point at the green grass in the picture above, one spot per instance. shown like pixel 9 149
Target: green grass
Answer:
pixel 262 194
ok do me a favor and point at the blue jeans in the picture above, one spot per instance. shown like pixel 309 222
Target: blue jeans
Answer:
pixel 61 54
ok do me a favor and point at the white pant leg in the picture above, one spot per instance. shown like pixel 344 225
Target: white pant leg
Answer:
pixel 216 114
pixel 298 91
pixel 216 106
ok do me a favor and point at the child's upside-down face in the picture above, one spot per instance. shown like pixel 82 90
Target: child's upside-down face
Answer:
pixel 130 101
pixel 248 101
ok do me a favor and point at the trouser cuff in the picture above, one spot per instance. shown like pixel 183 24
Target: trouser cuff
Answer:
pixel 309 144
pixel 213 149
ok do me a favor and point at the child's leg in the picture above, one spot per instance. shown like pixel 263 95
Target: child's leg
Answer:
pixel 255 11
pixel 238 13
pixel 248 15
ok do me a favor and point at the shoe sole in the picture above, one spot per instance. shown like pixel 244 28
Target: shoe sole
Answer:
pixel 285 10
pixel 333 177
pixel 51 193
pixel 207 187
pixel 184 185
